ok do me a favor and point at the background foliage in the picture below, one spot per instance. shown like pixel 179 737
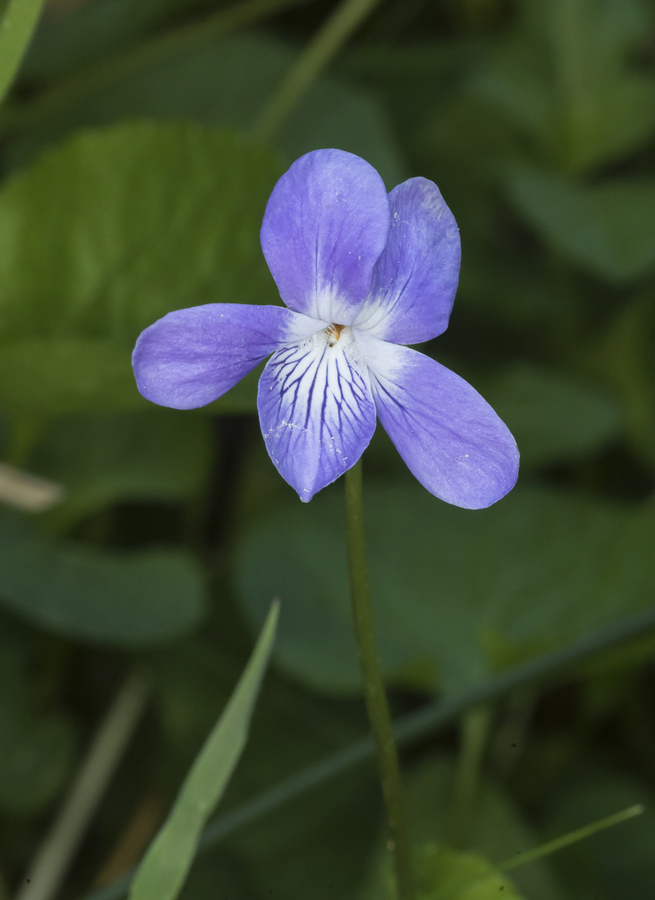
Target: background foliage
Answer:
pixel 132 185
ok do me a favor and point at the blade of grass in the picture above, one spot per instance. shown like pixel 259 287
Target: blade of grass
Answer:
pixel 416 725
pixel 523 859
pixel 16 30
pixel 168 860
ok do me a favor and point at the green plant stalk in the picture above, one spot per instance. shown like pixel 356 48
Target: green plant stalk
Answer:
pixel 316 55
pixel 16 30
pixel 376 700
pixel 522 859
pixel 419 724
pixel 474 731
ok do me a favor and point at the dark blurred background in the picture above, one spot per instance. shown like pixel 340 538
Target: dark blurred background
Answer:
pixel 133 183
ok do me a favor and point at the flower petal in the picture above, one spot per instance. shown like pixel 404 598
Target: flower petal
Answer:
pixel 449 436
pixel 316 412
pixel 193 356
pixel 415 278
pixel 325 225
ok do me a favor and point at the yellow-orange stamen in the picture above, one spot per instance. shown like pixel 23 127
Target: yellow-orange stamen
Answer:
pixel 334 333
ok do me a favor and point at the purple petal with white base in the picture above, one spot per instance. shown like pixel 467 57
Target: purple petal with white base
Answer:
pixel 448 435
pixel 316 411
pixel 325 225
pixel 415 278
pixel 193 356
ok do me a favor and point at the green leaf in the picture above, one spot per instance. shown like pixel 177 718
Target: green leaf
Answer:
pixel 566 79
pixel 167 862
pixel 53 376
pixel 497 829
pixel 17 25
pixel 456 593
pixel 157 454
pixel 117 598
pixel 446 874
pixel 553 416
pixel 606 229
pixel 109 232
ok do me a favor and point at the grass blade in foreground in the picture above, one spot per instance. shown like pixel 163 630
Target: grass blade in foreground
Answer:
pixel 16 30
pixel 168 860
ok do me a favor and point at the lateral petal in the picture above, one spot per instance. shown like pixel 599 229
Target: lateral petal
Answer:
pixel 193 356
pixel 325 225
pixel 415 278
pixel 316 412
pixel 449 436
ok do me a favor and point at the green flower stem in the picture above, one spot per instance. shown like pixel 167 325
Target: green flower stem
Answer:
pixel 376 700
pixel 348 15
pixel 105 753
pixel 16 30
pixel 522 859
pixel 474 733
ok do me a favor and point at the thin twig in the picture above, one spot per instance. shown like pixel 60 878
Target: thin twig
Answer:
pixel 53 858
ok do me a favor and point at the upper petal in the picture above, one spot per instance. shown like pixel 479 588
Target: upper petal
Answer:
pixel 449 436
pixel 325 225
pixel 316 412
pixel 415 278
pixel 193 356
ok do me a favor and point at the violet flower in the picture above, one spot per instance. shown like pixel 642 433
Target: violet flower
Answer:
pixel 362 273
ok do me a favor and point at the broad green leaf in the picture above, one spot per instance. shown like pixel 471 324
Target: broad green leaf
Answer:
pixel 606 228
pixel 105 234
pixel 227 82
pixel 497 829
pixel 113 597
pixel 167 862
pixel 50 376
pixel 445 874
pixel 566 77
pixel 456 593
pixel 156 454
pixel 17 23
pixel 36 745
pixel 553 416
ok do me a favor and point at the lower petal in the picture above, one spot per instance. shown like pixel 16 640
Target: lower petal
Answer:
pixel 193 356
pixel 316 412
pixel 449 436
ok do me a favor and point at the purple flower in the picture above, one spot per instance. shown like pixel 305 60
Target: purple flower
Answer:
pixel 362 273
